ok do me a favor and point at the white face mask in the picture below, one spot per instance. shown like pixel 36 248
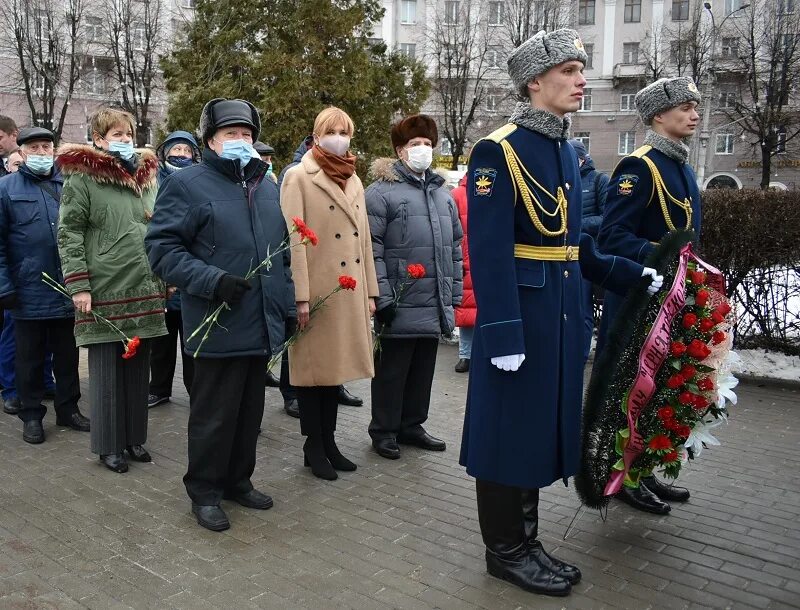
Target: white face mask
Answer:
pixel 420 158
pixel 338 145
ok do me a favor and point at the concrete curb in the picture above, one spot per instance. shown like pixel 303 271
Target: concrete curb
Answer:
pixel 786 384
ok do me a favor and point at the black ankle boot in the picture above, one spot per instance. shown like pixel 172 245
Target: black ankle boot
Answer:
pixel 328 416
pixel 668 493
pixel 335 457
pixel 530 512
pixel 315 457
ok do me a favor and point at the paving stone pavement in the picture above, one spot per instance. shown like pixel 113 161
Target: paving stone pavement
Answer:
pixel 394 534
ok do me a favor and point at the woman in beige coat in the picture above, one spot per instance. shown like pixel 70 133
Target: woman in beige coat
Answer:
pixel 336 346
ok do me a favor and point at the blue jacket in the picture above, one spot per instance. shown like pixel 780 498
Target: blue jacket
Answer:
pixel 593 188
pixel 29 246
pixel 522 428
pixel 211 219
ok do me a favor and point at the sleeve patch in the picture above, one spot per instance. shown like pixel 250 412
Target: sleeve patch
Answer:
pixel 484 181
pixel 626 184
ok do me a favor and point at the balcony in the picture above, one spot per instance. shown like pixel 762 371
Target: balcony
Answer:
pixel 624 71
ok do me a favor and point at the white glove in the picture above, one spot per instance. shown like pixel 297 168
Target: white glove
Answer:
pixel 658 280
pixel 509 363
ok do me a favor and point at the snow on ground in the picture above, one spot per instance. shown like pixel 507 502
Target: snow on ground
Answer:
pixel 765 364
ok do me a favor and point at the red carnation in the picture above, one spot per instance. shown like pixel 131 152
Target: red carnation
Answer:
pixel 686 398
pixel 677 348
pixel 705 384
pixel 698 277
pixel 130 347
pixel 717 317
pixel 669 457
pixel 689 320
pixel 670 424
pixel 306 234
pixel 683 431
pixel 702 296
pixel 688 372
pixel 416 271
pixel 665 413
pixel 724 308
pixel 698 349
pixel 675 381
pixel 706 325
pixel 718 337
pixel 347 283
pixel 700 402
pixel 660 442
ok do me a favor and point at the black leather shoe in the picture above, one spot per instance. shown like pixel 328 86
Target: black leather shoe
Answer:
pixel 12 406
pixel 346 398
pixel 292 408
pixel 115 462
pixel 272 380
pixel 556 566
pixel 665 492
pixel 387 447
pixel 76 421
pixel 32 432
pixel 139 453
pixel 642 498
pixel 251 499
pixel 211 517
pixel 422 440
pixel 527 574
pixel 153 400
pixel 462 366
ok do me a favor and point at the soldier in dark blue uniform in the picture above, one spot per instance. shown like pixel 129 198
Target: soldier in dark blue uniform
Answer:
pixel 651 192
pixel 522 422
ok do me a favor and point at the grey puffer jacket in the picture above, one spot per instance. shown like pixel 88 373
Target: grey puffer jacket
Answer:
pixel 415 221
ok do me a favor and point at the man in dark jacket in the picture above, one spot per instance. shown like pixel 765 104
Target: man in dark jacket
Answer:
pixel 213 224
pixel 593 190
pixel 42 317
pixel 413 220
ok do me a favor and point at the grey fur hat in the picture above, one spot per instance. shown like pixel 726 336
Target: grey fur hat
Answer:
pixel 538 54
pixel 220 112
pixel 664 94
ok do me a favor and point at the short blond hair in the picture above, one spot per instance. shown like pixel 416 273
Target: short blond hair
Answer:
pixel 331 117
pixel 103 119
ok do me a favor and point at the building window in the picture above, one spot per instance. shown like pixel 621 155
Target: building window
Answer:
pixel 727 99
pixel 732 6
pixel 725 143
pixel 408 11
pixel 585 139
pixel 494 57
pixel 586 12
pixel 586 101
pixel 626 101
pixel 589 48
pixel 680 10
pixel 493 101
pixel 409 49
pixel 451 10
pixel 630 52
pixel 785 7
pixel 497 12
pixel 730 48
pixel 94 29
pixel 633 11
pixel 138 36
pixel 445 147
pixel 780 145
pixel 627 141
pixel 42 25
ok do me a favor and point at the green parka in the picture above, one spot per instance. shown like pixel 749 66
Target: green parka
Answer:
pixel 102 223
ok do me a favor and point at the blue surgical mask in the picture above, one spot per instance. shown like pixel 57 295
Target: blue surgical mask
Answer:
pixel 238 150
pixel 39 164
pixel 125 149
pixel 179 162
pixel 269 168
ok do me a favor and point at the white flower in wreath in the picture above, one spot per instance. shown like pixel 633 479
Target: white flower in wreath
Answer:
pixel 701 436
pixel 725 391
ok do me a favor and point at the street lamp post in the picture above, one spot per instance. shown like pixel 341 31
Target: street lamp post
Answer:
pixel 705 132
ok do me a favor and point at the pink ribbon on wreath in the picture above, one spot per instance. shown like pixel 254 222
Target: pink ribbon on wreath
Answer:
pixel 651 357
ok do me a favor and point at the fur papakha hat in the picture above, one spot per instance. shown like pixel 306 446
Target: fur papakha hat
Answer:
pixel 414 126
pixel 220 112
pixel 664 94
pixel 538 54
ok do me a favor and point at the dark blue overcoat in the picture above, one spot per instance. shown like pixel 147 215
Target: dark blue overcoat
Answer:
pixel 523 428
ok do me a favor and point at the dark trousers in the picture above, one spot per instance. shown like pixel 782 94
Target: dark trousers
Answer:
pixel 118 396
pixel 401 388
pixel 319 409
pixel 226 407
pixel 34 338
pixel 288 391
pixel 163 355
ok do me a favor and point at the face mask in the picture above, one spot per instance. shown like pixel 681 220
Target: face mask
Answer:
pixel 269 168
pixel 125 149
pixel 338 145
pixel 420 158
pixel 238 149
pixel 179 162
pixel 39 164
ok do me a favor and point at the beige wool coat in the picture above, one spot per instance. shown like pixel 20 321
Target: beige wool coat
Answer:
pixel 337 344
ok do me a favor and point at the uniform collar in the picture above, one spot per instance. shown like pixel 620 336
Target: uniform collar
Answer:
pixel 677 151
pixel 541 121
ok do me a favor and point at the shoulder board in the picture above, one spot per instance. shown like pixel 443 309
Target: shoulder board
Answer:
pixel 641 151
pixel 500 134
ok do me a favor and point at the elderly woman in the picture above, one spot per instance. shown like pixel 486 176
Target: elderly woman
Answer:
pixel 107 200
pixel 336 346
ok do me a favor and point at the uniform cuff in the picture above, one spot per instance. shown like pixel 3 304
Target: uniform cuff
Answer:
pixel 503 338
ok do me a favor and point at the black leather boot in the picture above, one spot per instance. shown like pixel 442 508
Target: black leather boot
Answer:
pixel 530 512
pixel 335 457
pixel 507 554
pixel 643 499
pixel 314 457
pixel 665 492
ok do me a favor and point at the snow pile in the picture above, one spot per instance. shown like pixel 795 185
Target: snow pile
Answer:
pixel 767 365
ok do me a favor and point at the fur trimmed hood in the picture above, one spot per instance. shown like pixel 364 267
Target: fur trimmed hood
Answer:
pixel 106 169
